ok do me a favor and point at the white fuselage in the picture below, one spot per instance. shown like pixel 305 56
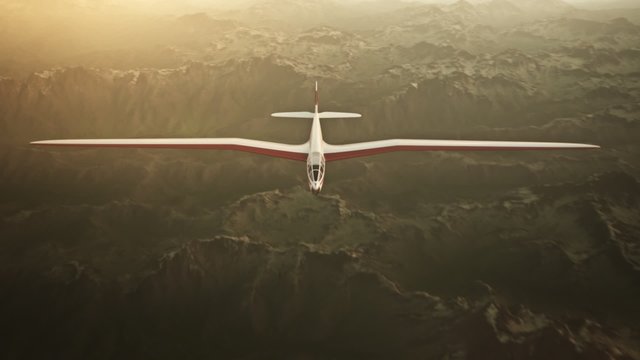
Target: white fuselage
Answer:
pixel 315 160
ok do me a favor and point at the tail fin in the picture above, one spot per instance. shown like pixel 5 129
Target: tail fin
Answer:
pixel 317 98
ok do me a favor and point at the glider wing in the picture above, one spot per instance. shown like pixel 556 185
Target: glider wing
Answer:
pixel 347 151
pixel 286 151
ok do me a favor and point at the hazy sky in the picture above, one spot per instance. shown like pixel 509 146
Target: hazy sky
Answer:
pixel 200 5
pixel 235 3
pixel 241 3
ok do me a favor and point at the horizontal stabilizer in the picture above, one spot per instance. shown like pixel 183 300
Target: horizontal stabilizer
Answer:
pixel 296 114
pixel 338 115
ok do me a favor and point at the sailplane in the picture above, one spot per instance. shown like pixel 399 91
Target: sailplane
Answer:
pixel 316 152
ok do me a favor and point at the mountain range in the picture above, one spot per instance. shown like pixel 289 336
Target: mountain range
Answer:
pixel 109 253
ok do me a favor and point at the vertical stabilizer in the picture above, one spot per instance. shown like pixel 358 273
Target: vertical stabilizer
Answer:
pixel 317 97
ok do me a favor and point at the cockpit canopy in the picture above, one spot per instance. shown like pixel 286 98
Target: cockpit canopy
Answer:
pixel 315 168
pixel 316 172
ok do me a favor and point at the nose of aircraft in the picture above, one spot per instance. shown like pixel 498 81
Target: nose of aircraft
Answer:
pixel 315 186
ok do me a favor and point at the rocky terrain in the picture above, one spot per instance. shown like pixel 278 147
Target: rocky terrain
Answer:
pixel 121 253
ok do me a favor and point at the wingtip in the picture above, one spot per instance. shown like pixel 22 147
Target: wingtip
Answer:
pixel 47 142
